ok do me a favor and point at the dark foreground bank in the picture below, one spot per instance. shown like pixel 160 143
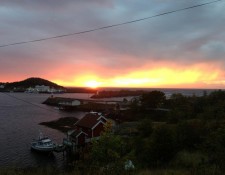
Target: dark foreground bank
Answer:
pixel 91 171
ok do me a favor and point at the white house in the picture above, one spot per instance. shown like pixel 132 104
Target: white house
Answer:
pixel 42 88
pixel 69 102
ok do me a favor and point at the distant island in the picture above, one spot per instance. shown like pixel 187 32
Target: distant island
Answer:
pixel 40 85
pixel 121 93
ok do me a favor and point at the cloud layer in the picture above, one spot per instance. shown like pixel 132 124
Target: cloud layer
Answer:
pixel 180 41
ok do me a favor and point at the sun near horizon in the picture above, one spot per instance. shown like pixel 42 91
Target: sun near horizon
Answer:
pixel 92 84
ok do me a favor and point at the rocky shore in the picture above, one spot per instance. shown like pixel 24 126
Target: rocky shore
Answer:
pixel 63 124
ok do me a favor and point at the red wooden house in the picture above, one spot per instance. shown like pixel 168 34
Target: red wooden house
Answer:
pixel 92 124
pixel 87 128
pixel 78 137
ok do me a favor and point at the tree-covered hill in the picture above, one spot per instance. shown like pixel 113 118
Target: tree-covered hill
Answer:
pixel 31 82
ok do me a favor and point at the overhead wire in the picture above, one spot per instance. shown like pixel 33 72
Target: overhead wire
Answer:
pixel 109 26
pixel 96 29
pixel 25 101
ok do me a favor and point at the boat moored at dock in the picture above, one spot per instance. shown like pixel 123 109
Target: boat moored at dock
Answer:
pixel 43 144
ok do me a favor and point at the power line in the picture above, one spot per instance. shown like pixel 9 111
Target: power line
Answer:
pixel 32 104
pixel 109 26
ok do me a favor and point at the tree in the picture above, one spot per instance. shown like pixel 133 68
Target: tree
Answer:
pixel 125 100
pixel 157 148
pixel 190 134
pixel 215 147
pixel 134 105
pixel 106 151
pixel 163 145
pixel 145 128
pixel 153 99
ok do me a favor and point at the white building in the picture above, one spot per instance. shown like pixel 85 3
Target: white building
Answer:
pixel 42 88
pixel 70 102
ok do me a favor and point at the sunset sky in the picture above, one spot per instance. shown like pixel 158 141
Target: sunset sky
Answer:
pixel 185 49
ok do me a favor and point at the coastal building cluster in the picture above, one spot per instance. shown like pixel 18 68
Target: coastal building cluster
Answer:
pixel 43 89
pixel 81 133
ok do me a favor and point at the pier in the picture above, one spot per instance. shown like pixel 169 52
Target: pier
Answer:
pixel 81 104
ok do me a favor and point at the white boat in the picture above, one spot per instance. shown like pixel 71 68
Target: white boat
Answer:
pixel 43 144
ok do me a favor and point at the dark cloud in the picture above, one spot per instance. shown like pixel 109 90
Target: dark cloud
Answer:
pixel 186 37
pixel 214 50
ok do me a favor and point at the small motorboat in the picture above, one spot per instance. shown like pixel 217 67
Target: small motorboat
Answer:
pixel 43 144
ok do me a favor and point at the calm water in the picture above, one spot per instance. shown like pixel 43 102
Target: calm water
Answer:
pixel 19 124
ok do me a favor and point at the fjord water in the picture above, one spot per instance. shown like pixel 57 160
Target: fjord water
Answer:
pixel 19 125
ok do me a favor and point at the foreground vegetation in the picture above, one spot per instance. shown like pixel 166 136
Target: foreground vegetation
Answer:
pixel 180 136
pixel 51 171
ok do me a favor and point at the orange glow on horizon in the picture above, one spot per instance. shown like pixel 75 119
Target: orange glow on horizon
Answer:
pixel 194 77
pixel 92 84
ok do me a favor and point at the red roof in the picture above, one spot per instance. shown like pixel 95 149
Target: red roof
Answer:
pixel 76 133
pixel 89 120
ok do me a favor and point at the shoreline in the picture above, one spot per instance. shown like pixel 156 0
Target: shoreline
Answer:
pixel 62 124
